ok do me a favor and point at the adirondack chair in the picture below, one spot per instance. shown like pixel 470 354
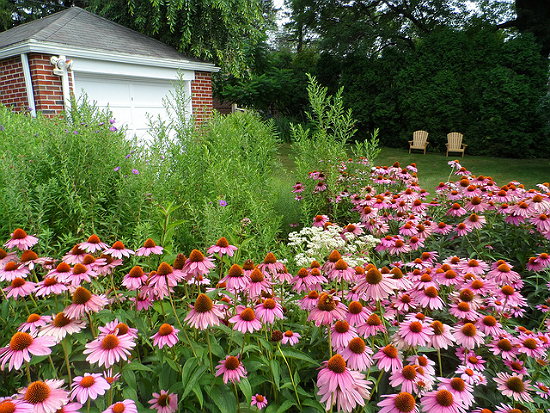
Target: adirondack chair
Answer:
pixel 420 141
pixel 454 143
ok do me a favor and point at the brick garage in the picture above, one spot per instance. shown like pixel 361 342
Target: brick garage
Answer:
pixel 115 66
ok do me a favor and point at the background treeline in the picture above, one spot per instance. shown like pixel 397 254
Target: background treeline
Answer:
pixel 489 85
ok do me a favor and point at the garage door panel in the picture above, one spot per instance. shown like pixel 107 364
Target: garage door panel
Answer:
pixel 132 101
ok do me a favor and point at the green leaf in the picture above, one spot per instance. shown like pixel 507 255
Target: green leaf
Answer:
pixel 188 368
pixel 275 369
pixel 287 404
pixel 198 392
pixel 134 365
pixel 224 399
pixel 244 385
pixel 298 355
pixel 193 380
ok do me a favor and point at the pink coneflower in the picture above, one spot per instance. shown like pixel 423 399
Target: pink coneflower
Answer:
pixel 441 336
pixel 197 264
pixel 134 279
pixel 441 401
pixel 341 334
pixel 463 310
pixel 125 406
pixel 21 240
pixel 341 386
pixel 166 336
pixel 290 337
pixel 93 244
pixel 259 401
pixel 257 284
pixel 20 348
pixel 320 220
pixel 270 266
pixel 328 310
pixel 375 285
pixel 468 335
pixel 372 326
pixel 412 333
pixel 517 366
pixel 79 274
pixel 245 320
pixel 88 386
pixel 398 403
pixel 490 326
pixel 504 347
pixel 164 402
pixel 514 386
pixel 149 247
pixel 310 301
pixel 443 228
pixel 222 247
pixel 19 287
pixel 12 405
pixel 303 281
pixel 357 314
pixel 389 358
pixel 473 266
pixel 231 368
pixel 235 279
pixel 34 323
pixel 118 250
pixel 459 389
pixel 341 271
pixel 542 390
pixel 357 355
pixel 60 326
pixel 109 349
pixel 118 329
pixel 74 256
pixel 268 310
pixel 408 378
pixel 12 270
pixel 429 298
pixel 530 345
pixel 204 313
pixel 45 396
pixel 50 285
pixel 85 302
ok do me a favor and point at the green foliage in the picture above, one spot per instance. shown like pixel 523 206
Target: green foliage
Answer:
pixel 220 175
pixel 219 31
pixel 323 147
pixel 475 82
pixel 57 179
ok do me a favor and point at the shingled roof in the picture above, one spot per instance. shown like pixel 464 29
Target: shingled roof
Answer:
pixel 79 29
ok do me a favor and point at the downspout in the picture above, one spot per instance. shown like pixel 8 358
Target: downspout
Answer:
pixel 61 69
pixel 28 84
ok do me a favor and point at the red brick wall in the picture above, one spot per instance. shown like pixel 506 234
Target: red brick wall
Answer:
pixel 47 87
pixel 13 92
pixel 201 92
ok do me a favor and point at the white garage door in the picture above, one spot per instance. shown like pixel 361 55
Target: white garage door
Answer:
pixel 131 100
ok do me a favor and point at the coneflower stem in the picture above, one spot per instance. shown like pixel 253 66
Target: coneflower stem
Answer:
pixel 329 341
pixel 88 405
pixel 209 350
pixel 237 397
pixel 91 324
pixel 28 370
pixel 440 365
pixel 290 374
pixel 65 350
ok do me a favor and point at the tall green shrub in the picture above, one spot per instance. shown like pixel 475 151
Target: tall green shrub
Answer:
pixel 66 179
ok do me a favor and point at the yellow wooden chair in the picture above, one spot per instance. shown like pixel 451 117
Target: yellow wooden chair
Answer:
pixel 454 143
pixel 420 141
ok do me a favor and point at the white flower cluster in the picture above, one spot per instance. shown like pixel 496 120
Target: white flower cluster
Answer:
pixel 316 243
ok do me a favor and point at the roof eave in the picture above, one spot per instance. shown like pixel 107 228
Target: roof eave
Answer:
pixel 33 46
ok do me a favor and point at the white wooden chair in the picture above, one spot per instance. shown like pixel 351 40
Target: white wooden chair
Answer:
pixel 420 141
pixel 454 143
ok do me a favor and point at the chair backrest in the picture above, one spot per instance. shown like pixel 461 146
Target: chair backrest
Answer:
pixel 420 137
pixel 454 140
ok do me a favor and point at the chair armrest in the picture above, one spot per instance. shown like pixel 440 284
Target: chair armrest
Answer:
pixel 411 142
pixel 464 145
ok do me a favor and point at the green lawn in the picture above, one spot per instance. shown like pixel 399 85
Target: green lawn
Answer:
pixel 433 168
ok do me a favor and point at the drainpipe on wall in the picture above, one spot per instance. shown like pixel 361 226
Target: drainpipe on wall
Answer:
pixel 28 84
pixel 62 68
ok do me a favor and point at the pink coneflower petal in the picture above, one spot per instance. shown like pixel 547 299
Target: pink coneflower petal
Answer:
pixel 88 386
pixel 166 336
pixel 109 349
pixel 204 313
pixel 164 402
pixel 20 348
pixel 125 406
pixel 259 401
pixel 245 320
pixel 21 240
pixel 45 396
pixel 231 368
